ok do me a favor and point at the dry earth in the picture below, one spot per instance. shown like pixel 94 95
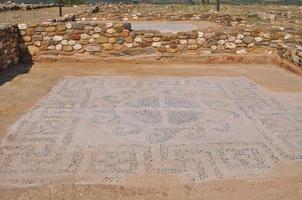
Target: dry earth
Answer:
pixel 38 15
pixel 20 91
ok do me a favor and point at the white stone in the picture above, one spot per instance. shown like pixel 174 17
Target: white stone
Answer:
pixel 94 18
pixel 64 42
pixel 37 43
pixel 84 36
pixel 91 40
pixel 201 40
pixel 241 51
pixel 72 42
pixel 46 38
pixel 267 35
pixel 110 30
pixel 213 47
pixel 205 52
pixel 288 36
pixel 238 41
pixel 138 39
pixel 258 39
pixel 221 42
pixel 231 38
pixel 83 19
pixel 51 47
pixel 183 41
pixel 250 45
pixel 129 45
pixel 22 26
pixel 59 47
pixel 230 45
pixel 94 36
pixel 200 34
pixel 109 25
pixel 77 47
pixel 57 38
pixel 68 25
pixel 240 36
pixel 156 44
pixel 97 29
pixel 156 39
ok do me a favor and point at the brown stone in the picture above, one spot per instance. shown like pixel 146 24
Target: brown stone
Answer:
pixel 170 50
pixel 107 46
pixel 27 38
pixel 51 33
pixel 29 31
pixel 61 27
pixel 33 50
pixel 75 36
pixel 50 29
pixel 67 48
pixel 102 40
pixel 128 39
pixel 117 47
pixel 124 34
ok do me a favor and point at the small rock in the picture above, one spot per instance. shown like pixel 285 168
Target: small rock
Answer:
pixel 57 38
pixel 241 52
pixel 248 39
pixel 77 47
pixel 59 47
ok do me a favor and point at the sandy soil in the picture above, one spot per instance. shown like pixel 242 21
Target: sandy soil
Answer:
pixel 38 15
pixel 21 88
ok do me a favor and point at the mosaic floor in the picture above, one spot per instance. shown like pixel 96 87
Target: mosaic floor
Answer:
pixel 109 129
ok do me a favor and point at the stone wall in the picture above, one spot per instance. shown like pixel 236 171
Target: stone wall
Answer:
pixel 9 51
pixel 117 39
pixel 8 6
pixel 29 41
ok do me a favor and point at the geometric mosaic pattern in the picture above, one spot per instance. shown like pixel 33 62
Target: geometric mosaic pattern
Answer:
pixel 107 129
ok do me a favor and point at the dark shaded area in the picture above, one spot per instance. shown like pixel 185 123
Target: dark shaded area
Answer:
pixel 24 65
pixel 12 72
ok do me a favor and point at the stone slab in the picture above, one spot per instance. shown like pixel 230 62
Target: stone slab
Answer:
pixel 96 130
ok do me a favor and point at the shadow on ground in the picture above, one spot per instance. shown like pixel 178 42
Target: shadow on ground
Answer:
pixel 11 73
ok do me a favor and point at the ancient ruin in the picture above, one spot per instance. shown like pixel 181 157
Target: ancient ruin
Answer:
pixel 142 99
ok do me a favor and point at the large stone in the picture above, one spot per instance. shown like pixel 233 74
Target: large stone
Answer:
pixel 107 46
pixel 241 52
pixel 59 47
pixel 57 38
pixel 77 47
pixel 67 48
pixel 230 45
pixel 248 39
pixel 156 44
pixel 93 48
pixel 102 39
pixel 50 29
pixel 22 26
pixel 33 50
pixel 27 38
pixel 75 36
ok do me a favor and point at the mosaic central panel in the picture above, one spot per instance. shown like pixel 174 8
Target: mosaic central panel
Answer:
pixel 109 129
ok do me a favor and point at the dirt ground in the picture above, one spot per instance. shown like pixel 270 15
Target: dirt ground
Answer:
pixel 37 15
pixel 21 87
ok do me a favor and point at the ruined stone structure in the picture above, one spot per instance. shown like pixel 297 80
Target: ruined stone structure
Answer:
pixel 117 39
pixel 8 6
pixel 85 34
pixel 9 51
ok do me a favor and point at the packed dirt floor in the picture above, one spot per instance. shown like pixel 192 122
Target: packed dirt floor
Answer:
pixel 23 86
